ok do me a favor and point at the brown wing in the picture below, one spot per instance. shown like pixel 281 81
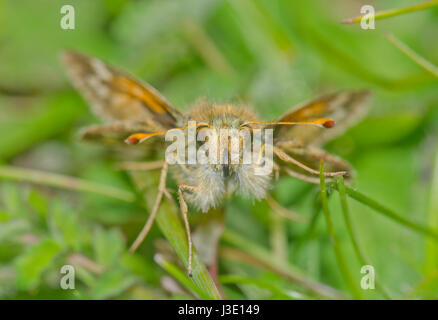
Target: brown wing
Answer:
pixel 115 96
pixel 112 133
pixel 345 108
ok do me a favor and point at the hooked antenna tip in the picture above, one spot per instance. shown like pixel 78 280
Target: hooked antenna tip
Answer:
pixel 329 124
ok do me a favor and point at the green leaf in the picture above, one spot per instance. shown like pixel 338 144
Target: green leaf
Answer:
pixel 31 264
pixel 38 203
pixel 11 199
pixel 65 225
pixel 112 283
pixel 11 229
pixel 108 245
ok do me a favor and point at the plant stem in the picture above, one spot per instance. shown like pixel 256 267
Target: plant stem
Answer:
pixel 64 182
pixel 278 236
pixel 395 12
pixel 345 212
pixel 347 219
pixel 331 230
pixel 389 213
pixel 419 60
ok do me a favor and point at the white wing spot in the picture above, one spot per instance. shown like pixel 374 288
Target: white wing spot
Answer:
pixel 101 70
pixel 100 89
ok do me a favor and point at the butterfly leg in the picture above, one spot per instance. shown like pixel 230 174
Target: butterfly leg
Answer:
pixel 149 222
pixel 287 158
pixel 301 176
pixel 184 210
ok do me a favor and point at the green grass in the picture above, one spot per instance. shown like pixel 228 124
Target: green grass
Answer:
pixel 63 201
pixel 396 12
pixel 346 273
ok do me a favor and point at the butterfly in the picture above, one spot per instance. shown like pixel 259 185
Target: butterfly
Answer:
pixel 134 112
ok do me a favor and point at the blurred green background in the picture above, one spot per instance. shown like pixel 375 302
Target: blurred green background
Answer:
pixel 269 54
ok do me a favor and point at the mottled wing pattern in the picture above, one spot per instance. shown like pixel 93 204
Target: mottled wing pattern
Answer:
pixel 345 108
pixel 115 96
pixel 114 133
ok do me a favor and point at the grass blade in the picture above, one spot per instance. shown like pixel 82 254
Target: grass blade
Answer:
pixel 389 213
pixel 170 223
pixel 419 60
pixel 346 214
pixel 256 255
pixel 310 231
pixel 395 12
pixel 351 64
pixel 331 230
pixel 345 211
pixel 181 276
pixel 280 293
pixel 64 182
